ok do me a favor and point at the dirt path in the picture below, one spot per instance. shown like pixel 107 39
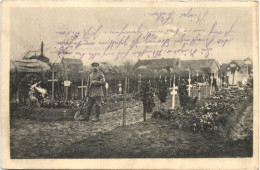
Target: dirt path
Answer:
pixel 35 139
pixel 151 139
pixel 108 139
pixel 244 126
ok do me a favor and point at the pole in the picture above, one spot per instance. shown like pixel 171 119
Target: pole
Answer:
pixel 66 87
pixel 52 86
pixel 124 103
pixel 128 85
pixel 82 89
pixel 189 80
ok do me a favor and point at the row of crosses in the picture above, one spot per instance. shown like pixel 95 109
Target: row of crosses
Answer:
pixel 173 92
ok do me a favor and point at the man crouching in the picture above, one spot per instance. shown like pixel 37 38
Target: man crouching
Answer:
pixel 95 84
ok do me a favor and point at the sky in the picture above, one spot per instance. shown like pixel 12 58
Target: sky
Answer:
pixel 211 26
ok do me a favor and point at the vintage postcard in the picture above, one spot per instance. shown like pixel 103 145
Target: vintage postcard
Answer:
pixel 129 85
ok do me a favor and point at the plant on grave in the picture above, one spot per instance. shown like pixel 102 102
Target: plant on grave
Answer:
pixel 162 91
pixel 147 97
pixel 184 98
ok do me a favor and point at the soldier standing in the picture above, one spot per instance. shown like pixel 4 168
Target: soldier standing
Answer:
pixel 95 84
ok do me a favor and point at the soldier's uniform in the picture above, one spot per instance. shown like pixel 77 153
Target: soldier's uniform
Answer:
pixel 96 82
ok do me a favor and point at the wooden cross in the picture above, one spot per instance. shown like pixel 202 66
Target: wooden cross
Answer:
pixel 189 86
pixel 52 84
pixel 173 93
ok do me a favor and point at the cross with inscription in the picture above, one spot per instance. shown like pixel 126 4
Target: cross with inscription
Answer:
pixel 52 84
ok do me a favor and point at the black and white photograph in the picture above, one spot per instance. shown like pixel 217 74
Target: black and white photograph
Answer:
pixel 128 81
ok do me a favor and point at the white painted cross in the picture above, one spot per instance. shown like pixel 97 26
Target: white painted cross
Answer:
pixel 82 86
pixel 189 86
pixel 52 84
pixel 120 87
pixel 173 93
pixel 211 82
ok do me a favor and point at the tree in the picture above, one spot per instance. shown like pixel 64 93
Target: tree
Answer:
pixel 183 92
pixel 162 91
pixel 147 97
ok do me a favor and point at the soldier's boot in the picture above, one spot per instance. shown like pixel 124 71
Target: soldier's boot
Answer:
pixel 97 113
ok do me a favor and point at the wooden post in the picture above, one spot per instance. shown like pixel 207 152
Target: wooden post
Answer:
pixel 198 88
pixel 52 84
pixel 124 103
pixel 66 79
pixel 120 88
pixel 199 92
pixel 206 87
pixel 170 82
pixel 128 85
pixel 189 86
pixel 197 74
pixel 211 82
pixel 139 82
pixel 107 86
pixel 173 93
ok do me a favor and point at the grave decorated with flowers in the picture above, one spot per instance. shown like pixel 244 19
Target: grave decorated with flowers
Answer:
pixel 209 114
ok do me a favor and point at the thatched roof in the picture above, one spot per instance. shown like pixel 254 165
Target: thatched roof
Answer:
pixel 28 66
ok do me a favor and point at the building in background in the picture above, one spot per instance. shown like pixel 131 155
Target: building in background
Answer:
pixel 239 71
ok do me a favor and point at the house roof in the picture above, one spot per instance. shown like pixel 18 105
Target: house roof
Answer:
pixel 223 68
pixel 159 63
pixel 239 62
pixel 195 65
pixel 72 61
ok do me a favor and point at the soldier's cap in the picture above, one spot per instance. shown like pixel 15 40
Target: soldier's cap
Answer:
pixel 95 64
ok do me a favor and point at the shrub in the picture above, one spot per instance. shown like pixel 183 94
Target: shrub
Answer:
pixel 162 91
pixel 210 114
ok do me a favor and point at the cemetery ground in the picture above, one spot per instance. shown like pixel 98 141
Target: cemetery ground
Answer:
pixel 52 133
